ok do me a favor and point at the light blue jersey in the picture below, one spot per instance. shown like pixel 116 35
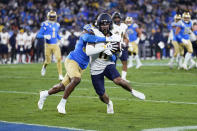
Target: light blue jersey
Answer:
pixel 173 25
pixel 185 30
pixel 131 31
pixel 79 54
pixel 50 28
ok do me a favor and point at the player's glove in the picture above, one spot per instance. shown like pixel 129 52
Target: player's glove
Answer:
pixel 108 52
pixel 111 46
pixel 48 37
pixel 113 38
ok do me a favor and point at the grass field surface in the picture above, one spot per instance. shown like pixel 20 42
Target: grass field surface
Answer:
pixel 171 99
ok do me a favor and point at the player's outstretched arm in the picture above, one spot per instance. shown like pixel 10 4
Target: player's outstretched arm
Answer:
pixel 92 49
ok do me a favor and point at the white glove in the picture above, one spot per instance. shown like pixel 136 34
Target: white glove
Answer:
pixel 110 46
pixel 184 41
pixel 113 38
pixel 161 44
pixel 137 40
pixel 48 37
pixel 108 52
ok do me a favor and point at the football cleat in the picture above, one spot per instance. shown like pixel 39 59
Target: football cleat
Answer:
pixel 43 96
pixel 61 77
pixel 130 65
pixel 193 64
pixel 138 94
pixel 61 108
pixel 138 66
pixel 43 71
pixel 184 66
pixel 110 109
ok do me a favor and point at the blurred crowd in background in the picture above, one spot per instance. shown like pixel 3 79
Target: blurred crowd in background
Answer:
pixel 153 17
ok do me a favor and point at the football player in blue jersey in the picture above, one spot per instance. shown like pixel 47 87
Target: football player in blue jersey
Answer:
pixel 75 63
pixel 182 33
pixel 134 34
pixel 175 43
pixel 49 31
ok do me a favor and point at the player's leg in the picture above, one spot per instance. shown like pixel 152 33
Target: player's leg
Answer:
pixel 180 59
pixel 130 55
pixel 112 74
pixel 47 61
pixel 23 54
pixel 55 89
pixel 98 83
pixel 57 53
pixel 138 62
pixel 188 55
pixel 74 72
pixel 176 52
pixel 123 59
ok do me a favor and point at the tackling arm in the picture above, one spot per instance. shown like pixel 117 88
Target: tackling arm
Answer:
pixel 94 49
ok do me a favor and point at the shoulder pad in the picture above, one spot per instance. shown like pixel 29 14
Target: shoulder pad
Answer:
pixel 135 25
pixel 45 23
pixel 58 24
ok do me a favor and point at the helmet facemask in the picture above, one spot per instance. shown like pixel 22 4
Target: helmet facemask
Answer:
pixel 52 16
pixel 186 17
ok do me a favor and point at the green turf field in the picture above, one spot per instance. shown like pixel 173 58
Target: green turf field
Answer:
pixel 171 99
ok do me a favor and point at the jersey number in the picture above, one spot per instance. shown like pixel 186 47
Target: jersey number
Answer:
pixel 53 35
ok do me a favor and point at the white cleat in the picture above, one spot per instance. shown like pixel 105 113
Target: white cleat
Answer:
pixel 43 71
pixel 170 64
pixel 138 66
pixel 129 65
pixel 61 108
pixel 192 65
pixel 184 66
pixel 43 96
pixel 138 94
pixel 110 109
pixel 61 77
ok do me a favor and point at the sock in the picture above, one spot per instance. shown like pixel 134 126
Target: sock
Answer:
pixel 187 58
pixel 138 60
pixel 17 58
pixel 63 101
pixel 23 58
pixel 131 60
pixel 124 74
pixel 180 61
pixel 110 102
pixel 46 93
pixel 171 60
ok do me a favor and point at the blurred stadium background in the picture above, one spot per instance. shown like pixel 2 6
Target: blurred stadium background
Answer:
pixel 153 16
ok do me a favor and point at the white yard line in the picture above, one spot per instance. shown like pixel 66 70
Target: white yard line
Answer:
pixel 91 97
pixel 178 128
pixel 77 129
pixel 89 81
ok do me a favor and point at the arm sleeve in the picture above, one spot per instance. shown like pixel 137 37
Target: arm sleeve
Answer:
pixel 59 37
pixel 41 32
pixel 93 38
pixel 94 49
